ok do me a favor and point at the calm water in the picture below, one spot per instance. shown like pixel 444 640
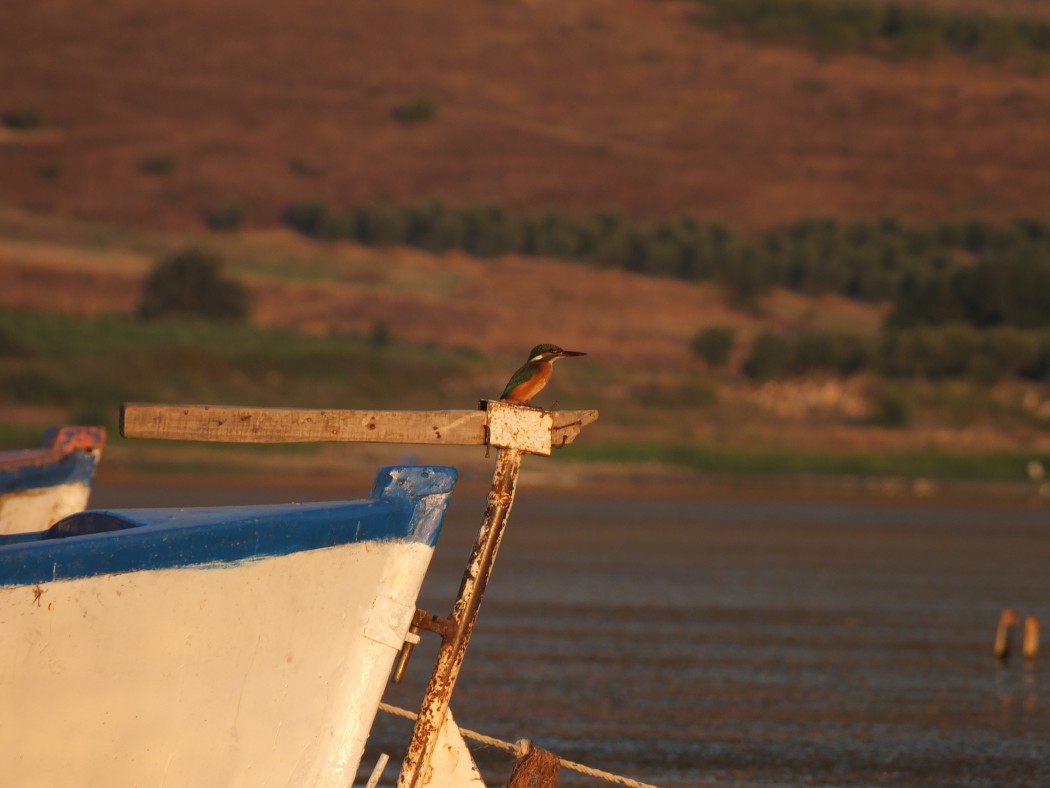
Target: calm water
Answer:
pixel 704 643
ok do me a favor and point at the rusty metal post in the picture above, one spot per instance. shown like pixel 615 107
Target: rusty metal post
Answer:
pixel 415 772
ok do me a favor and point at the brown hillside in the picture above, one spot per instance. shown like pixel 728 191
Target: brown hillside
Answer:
pixel 582 105
pixel 500 307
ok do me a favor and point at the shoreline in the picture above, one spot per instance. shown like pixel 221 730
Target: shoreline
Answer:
pixel 609 480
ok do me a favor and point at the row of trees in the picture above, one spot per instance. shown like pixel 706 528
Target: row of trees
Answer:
pixel 954 350
pixel 969 271
pixel 881 27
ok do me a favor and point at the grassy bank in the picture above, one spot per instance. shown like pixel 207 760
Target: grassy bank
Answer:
pixel 87 366
pixel 56 367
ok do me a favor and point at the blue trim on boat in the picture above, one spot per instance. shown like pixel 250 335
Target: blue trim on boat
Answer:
pixel 35 474
pixel 407 504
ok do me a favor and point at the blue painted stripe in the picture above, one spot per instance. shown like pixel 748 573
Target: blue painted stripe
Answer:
pixel 33 475
pixel 408 504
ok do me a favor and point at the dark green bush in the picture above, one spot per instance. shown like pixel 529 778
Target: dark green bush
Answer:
pixel 433 227
pixel 416 110
pixel 190 284
pixel 1039 369
pixel 12 345
pixel 157 165
pixel 489 231
pixel 771 357
pixel 745 279
pixel 1002 288
pixel 936 352
pixel 51 170
pixel 714 344
pixel 380 335
pixel 888 410
pixel 833 351
pixel 227 217
pixel 316 220
pixel 553 234
pixel 379 225
pixel 23 118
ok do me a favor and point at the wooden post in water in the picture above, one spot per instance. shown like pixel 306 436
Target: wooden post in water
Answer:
pixel 1030 645
pixel 1004 633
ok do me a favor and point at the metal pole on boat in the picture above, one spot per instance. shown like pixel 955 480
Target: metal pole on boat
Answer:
pixel 460 624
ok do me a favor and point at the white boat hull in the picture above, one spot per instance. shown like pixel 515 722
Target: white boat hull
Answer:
pixel 259 672
pixel 39 487
pixel 31 510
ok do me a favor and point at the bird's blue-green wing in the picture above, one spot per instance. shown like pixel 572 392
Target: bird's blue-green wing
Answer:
pixel 525 372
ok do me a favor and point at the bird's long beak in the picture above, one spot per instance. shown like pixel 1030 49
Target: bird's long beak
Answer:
pixel 571 353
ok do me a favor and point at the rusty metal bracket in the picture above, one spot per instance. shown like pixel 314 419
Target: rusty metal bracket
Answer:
pixel 439 624
pixel 421 620
pixel 460 623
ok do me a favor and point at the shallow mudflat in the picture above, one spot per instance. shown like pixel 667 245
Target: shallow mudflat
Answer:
pixel 735 642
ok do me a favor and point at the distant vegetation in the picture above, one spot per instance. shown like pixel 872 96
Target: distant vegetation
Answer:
pixel 416 111
pixel 969 298
pixel 714 344
pixel 157 165
pixel 226 217
pixel 954 350
pixel 893 28
pixel 190 283
pixel 970 272
pixel 53 359
pixel 23 118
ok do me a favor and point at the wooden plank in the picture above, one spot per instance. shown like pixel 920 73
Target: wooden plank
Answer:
pixel 568 424
pixel 233 424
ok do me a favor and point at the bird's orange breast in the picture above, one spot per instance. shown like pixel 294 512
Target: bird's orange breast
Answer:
pixel 528 389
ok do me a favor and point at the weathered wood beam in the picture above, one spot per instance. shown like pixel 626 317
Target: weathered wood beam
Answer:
pixel 233 424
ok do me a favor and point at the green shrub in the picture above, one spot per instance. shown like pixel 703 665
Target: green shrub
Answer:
pixel 714 344
pixel 12 345
pixel 51 170
pixel 933 352
pixel 227 217
pixel 380 335
pixel 844 354
pixel 554 234
pixel 416 110
pixel 379 225
pixel 1039 368
pixel 889 410
pixel 771 357
pixel 316 220
pixel 157 165
pixel 1006 352
pixel 744 279
pixel 489 231
pixel 23 118
pixel 190 284
pixel 433 227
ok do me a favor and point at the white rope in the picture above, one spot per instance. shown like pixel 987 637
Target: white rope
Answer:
pixel 518 749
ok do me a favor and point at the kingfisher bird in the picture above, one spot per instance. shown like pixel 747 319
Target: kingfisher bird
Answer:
pixel 534 374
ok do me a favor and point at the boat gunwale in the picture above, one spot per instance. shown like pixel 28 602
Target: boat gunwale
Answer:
pixel 406 504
